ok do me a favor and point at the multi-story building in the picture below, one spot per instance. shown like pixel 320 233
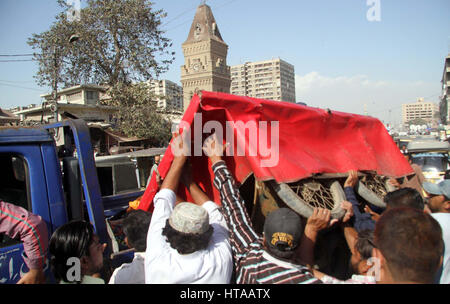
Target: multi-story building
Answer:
pixel 81 101
pixel 90 103
pixel 445 98
pixel 7 117
pixel 271 79
pixel 169 94
pixel 205 57
pixel 419 110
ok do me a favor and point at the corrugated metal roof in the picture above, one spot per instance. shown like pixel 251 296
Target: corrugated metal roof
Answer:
pixel 146 152
pixel 121 137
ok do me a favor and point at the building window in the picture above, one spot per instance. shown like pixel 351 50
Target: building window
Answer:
pixel 91 95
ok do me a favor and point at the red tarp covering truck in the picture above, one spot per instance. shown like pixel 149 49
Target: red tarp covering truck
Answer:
pixel 281 141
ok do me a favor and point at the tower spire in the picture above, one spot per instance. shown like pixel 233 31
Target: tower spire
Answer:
pixel 205 57
pixel 204 26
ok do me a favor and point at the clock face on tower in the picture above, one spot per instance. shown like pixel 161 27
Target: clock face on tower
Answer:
pixel 196 66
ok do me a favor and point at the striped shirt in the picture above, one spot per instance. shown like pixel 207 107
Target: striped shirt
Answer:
pixel 253 264
pixel 16 222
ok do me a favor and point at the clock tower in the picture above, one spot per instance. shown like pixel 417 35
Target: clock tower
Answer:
pixel 205 57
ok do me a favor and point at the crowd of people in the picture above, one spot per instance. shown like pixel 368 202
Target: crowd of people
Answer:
pixel 202 242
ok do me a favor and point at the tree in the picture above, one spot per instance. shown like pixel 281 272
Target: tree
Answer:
pixel 119 43
pixel 437 116
pixel 137 114
pixel 417 121
pixel 443 110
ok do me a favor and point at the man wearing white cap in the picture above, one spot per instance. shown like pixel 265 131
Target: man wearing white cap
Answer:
pixel 186 243
pixel 439 204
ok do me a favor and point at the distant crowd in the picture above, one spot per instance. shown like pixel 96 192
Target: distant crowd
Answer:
pixel 202 242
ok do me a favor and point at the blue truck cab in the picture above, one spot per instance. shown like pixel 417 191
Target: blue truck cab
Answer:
pixel 59 189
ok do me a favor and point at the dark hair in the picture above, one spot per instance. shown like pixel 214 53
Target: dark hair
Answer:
pixel 69 240
pixel 186 243
pixel 404 197
pixel 411 243
pixel 364 244
pixel 135 227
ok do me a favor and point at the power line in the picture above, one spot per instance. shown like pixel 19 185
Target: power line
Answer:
pixel 16 86
pixel 28 60
pixel 189 20
pixel 177 26
pixel 17 81
pixel 178 16
pixel 191 9
pixel 217 7
pixel 16 55
pixel 16 60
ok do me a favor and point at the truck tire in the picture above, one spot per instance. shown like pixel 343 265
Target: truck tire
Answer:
pixel 338 197
pixel 370 196
pixel 293 201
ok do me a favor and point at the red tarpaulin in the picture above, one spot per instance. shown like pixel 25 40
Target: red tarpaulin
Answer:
pixel 309 140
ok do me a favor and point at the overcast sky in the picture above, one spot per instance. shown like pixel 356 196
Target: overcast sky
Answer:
pixel 343 61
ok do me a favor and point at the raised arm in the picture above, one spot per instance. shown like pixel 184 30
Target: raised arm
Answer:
pixel 319 220
pixel 362 220
pixel 32 231
pixel 165 199
pixel 179 150
pixel 241 231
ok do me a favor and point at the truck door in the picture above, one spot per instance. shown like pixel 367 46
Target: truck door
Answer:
pixel 21 167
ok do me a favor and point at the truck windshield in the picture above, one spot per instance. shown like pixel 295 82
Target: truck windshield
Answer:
pixel 431 162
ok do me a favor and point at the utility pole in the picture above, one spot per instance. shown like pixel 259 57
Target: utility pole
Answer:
pixel 56 67
pixel 55 82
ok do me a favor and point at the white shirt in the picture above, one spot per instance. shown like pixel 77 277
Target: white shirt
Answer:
pixel 130 273
pixel 444 220
pixel 355 279
pixel 164 265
